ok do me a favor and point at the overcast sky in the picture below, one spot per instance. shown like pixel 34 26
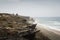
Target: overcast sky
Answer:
pixel 34 8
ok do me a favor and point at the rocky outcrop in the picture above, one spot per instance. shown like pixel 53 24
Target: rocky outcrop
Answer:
pixel 15 27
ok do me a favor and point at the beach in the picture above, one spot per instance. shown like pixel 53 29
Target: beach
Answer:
pixel 49 32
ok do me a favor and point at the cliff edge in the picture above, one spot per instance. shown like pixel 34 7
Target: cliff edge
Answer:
pixel 16 27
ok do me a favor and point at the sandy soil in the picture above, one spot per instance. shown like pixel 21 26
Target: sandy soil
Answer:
pixel 50 33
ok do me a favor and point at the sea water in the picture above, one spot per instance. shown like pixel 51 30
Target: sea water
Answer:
pixel 53 22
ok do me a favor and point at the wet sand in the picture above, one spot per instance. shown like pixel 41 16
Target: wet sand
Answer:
pixel 50 33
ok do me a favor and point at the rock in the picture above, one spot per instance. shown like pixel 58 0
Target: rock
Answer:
pixel 17 27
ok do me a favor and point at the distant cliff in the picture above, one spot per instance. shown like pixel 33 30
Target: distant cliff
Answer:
pixel 17 27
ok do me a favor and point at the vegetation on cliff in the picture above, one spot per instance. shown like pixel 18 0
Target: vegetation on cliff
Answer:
pixel 15 27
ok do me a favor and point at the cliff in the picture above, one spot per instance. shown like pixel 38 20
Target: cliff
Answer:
pixel 16 27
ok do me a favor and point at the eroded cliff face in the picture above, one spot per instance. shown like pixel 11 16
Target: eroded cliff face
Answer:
pixel 16 27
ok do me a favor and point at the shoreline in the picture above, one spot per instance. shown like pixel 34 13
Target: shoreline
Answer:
pixel 49 28
pixel 49 32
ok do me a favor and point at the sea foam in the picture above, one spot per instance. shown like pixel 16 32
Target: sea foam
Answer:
pixel 46 26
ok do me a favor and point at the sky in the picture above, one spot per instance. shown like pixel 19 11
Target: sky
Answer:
pixel 33 8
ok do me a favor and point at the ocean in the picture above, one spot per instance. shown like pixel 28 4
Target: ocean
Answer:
pixel 53 22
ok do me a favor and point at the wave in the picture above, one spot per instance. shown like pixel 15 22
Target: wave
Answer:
pixel 55 22
pixel 47 26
